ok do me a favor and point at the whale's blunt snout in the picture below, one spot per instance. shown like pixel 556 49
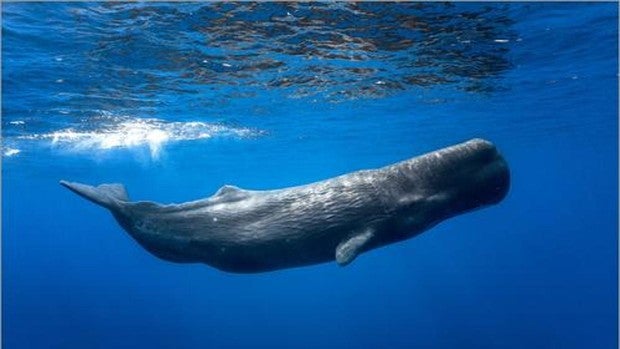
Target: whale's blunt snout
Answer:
pixel 502 178
pixel 481 174
pixel 463 177
pixel 493 174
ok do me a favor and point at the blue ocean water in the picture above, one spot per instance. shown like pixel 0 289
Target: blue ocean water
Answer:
pixel 176 100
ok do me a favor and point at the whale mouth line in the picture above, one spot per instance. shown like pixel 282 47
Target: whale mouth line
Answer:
pixel 124 132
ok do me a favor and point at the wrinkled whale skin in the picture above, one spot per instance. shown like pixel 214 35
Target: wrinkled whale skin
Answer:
pixel 246 231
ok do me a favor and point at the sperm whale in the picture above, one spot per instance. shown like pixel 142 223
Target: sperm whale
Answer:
pixel 251 231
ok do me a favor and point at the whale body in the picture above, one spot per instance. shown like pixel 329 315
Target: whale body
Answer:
pixel 247 231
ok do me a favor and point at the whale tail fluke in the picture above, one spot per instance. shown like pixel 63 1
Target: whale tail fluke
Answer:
pixel 106 195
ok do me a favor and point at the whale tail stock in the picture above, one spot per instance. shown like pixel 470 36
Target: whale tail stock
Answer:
pixel 106 195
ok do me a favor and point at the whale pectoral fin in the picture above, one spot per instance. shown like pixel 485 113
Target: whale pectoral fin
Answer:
pixel 350 248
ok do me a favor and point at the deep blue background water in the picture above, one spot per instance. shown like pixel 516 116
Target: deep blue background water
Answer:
pixel 175 100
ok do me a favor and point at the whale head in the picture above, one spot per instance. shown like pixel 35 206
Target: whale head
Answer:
pixel 474 174
pixel 449 182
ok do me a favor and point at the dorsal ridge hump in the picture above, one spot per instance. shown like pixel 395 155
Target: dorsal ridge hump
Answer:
pixel 227 190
